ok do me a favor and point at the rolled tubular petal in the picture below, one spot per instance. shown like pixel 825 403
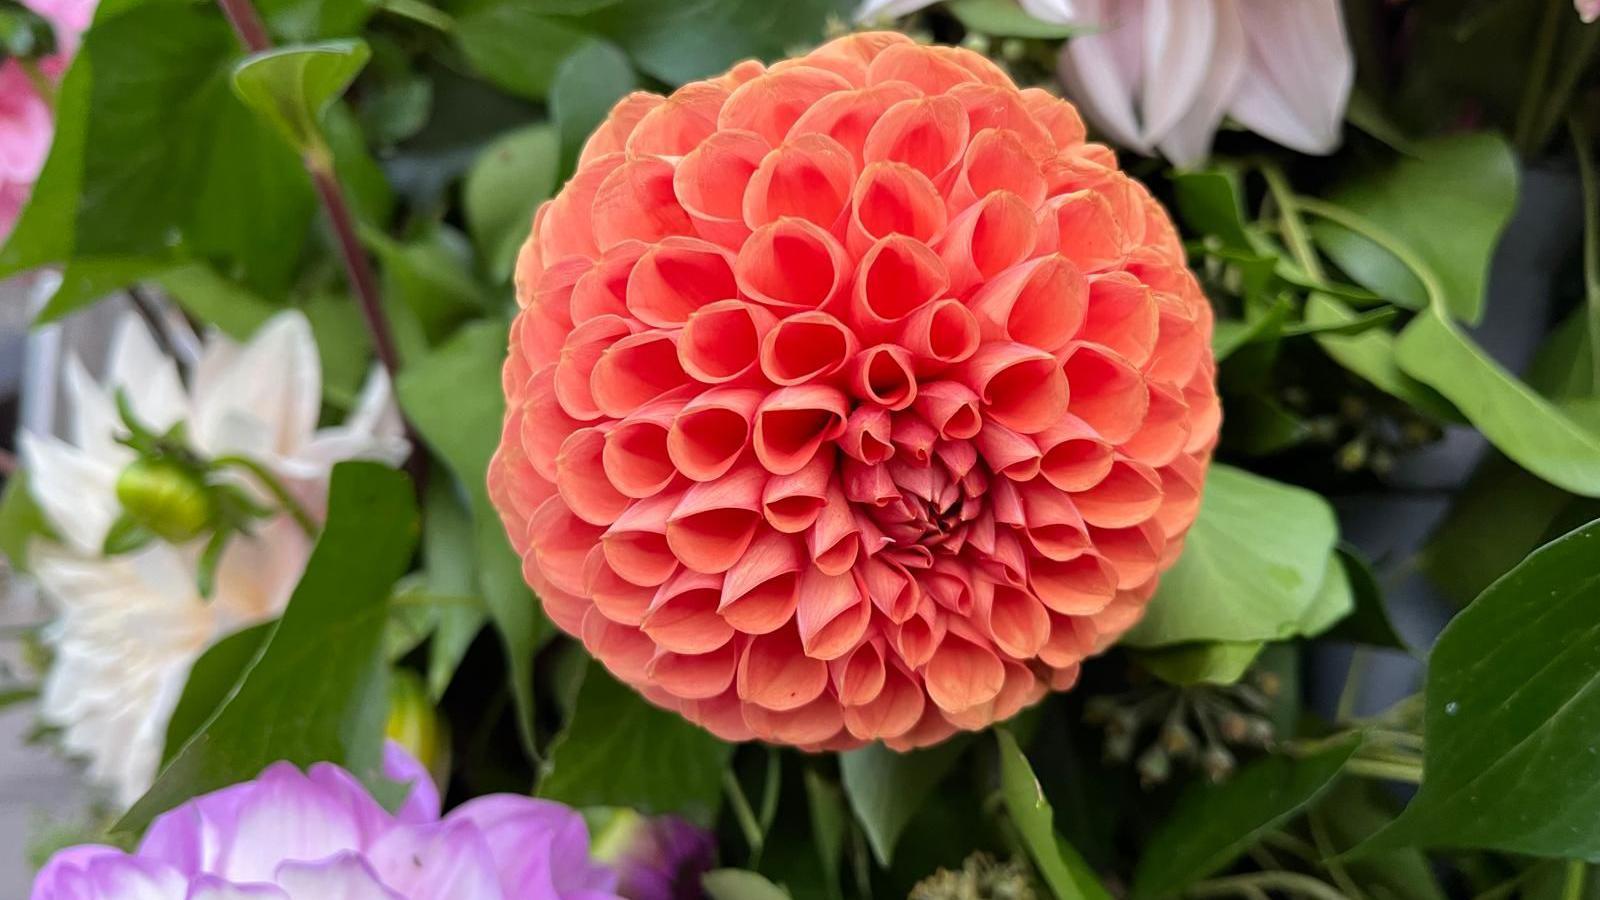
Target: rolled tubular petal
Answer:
pixel 856 398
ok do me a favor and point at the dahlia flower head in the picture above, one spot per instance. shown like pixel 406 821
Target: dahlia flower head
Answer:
pixel 853 398
pixel 318 835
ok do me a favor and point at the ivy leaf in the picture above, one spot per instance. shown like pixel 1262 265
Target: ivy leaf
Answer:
pixel 1251 568
pixel 292 87
pixel 320 680
pixel 588 84
pixel 682 41
pixel 1520 423
pixel 156 161
pixel 1419 201
pixel 1213 824
pixel 619 750
pixel 454 399
pixel 738 884
pixel 512 176
pixel 885 788
pixel 21 521
pixel 1512 761
pixel 1064 870
pixel 210 680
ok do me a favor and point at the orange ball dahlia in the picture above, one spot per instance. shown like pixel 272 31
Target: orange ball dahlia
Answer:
pixel 856 397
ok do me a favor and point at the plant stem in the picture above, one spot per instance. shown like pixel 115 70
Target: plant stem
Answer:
pixel 1529 110
pixel 1376 234
pixel 1255 882
pixel 745 815
pixel 1385 770
pixel 252 33
pixel 1577 876
pixel 275 488
pixel 1591 242
pixel 1330 856
pixel 1294 228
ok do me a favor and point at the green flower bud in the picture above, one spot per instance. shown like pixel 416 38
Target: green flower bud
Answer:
pixel 1155 767
pixel 167 498
pixel 414 724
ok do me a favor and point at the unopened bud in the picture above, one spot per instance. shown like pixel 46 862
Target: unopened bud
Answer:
pixel 1177 739
pixel 1099 710
pixel 1261 733
pixel 1217 763
pixel 414 724
pixel 1234 728
pixel 1119 747
pixel 165 497
pixel 1154 766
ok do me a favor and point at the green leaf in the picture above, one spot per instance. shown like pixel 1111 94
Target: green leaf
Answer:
pixel 1511 761
pixel 587 85
pixel 21 521
pixel 682 41
pixel 620 750
pixel 825 803
pixel 1423 203
pixel 1211 201
pixel 1213 824
pixel 738 884
pixel 156 160
pixel 1251 566
pixel 453 397
pixel 1209 663
pixel 1004 18
pixel 292 87
pixel 1371 355
pixel 430 276
pixel 1063 869
pixel 1519 422
pixel 212 678
pixel 512 176
pixel 1355 809
pixel 1333 601
pixel 885 788
pixel 516 47
pixel 449 566
pixel 1368 622
pixel 308 20
pixel 209 297
pixel 316 691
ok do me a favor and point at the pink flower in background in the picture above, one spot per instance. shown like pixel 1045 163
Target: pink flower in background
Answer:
pixel 26 124
pixel 1162 74
pixel 1588 10
pixel 319 835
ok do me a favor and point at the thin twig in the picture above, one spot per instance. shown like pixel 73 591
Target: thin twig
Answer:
pixel 145 307
pixel 252 33
pixel 1251 884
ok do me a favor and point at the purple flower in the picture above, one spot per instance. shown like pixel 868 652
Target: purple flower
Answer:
pixel 659 858
pixel 316 835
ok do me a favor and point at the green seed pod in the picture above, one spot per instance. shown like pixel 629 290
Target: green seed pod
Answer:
pixel 414 724
pixel 167 498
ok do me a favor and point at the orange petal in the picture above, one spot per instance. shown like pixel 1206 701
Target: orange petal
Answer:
pixel 951 408
pixel 625 651
pixel 776 674
pixel 809 177
pixel 895 710
pixel 618 599
pixel 1129 494
pixel 790 503
pixel 636 544
pixel 677 277
pixel 695 676
pixel 1013 455
pixel 1083 228
pixel 679 125
pixel 793 422
pixel 1000 109
pixel 847 116
pixel 575 368
pixel 635 457
pixel 1080 586
pixel 962 673
pixel 859 675
pixel 806 346
pixel 635 370
pixel 1122 315
pixel 1107 393
pixel 928 134
pixel 833 613
pixel 1022 387
pixel 683 617
pixel 933 73
pixel 602 290
pixel 806 727
pixel 760 592
pixel 940 334
pixel 998 161
pixel 715 521
pixel 1053 523
pixel 898 276
pixel 791 264
pixel 581 477
pixel 769 104
pixel 636 202
pixel 710 182
pixel 560 542
pixel 893 198
pixel 1041 303
pixel 721 341
pixel 1014 619
pixel 882 375
pixel 866 435
pixel 1135 553
pixel 991 236
pixel 1075 456
pixel 1058 116
pixel 711 432
pixel 918 637
pixel 1165 430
